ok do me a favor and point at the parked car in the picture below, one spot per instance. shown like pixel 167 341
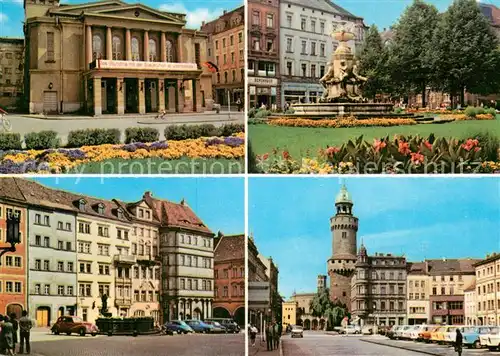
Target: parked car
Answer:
pixel 492 339
pixel 471 336
pixel 217 327
pixel 391 332
pixel 351 329
pixel 437 335
pixel 199 326
pixel 297 330
pixel 398 335
pixel 178 326
pixel 70 324
pixel 230 325
pixel 450 334
pixel 406 332
pixel 415 332
pixel 425 334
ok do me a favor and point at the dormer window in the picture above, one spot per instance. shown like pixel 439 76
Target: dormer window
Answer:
pixel 81 204
pixel 119 213
pixel 100 208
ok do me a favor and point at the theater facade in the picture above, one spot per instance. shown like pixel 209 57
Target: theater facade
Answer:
pixel 111 57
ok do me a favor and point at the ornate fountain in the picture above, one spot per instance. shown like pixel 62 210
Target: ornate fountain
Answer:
pixel 342 85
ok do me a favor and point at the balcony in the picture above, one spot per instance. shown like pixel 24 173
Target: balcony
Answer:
pixel 123 302
pixel 263 53
pixel 123 280
pixel 124 259
pixel 148 259
pixel 255 29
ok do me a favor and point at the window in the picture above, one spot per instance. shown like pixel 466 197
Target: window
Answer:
pixel 303 24
pixel 60 266
pixel 46 241
pixel 289 45
pixel 50 46
pixel 117 48
pixel 322 28
pixel 69 290
pixel 96 48
pixel 68 226
pixel 322 49
pixel 85 289
pixel 169 51
pixel 304 46
pixel 103 250
pixel 270 20
pixel 313 26
pixel 256 18
pixel 304 69
pixel 136 54
pixel 104 269
pixel 69 266
pixel 17 261
pixel 37 288
pixel 84 228
pixel 152 50
pixel 289 20
pixel 60 290
pixel 313 71
pixel 46 289
pixel 85 267
pixel 103 231
pixel 46 220
pixel 240 37
pixel 46 265
pixel 289 68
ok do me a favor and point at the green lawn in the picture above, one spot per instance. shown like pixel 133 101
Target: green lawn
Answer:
pixel 161 166
pixel 304 141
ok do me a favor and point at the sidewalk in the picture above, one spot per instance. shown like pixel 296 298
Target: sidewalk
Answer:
pixel 260 349
pixel 125 116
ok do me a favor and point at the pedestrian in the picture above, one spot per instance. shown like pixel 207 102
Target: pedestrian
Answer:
pixel 25 325
pixel 15 325
pixel 7 335
pixel 253 334
pixel 277 335
pixel 269 337
pixel 238 103
pixel 458 342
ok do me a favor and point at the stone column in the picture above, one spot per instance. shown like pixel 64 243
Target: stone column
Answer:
pixel 128 48
pixel 120 96
pixel 97 97
pixel 142 106
pixel 88 51
pixel 202 309
pixel 197 95
pixel 163 47
pixel 161 94
pixel 209 309
pixel 180 96
pixel 109 41
pixel 180 55
pixel 146 46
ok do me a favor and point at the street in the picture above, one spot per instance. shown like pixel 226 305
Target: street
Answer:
pixel 63 125
pixel 148 345
pixel 319 343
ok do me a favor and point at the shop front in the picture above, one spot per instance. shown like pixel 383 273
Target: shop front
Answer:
pixel 263 91
pixel 301 92
pixel 119 87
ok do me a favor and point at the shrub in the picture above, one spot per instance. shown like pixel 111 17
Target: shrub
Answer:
pixel 471 111
pixel 398 110
pixel 491 111
pixel 93 137
pixel 289 111
pixel 251 113
pixel 10 141
pixel 262 114
pixel 141 134
pixel 256 121
pixel 231 129
pixel 41 140
pixel 490 144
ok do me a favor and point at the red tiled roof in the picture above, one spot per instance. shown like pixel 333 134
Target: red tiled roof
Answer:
pixel 231 247
pixel 446 266
pixel 10 190
pixel 176 214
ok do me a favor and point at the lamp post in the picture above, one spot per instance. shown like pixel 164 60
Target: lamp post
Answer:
pixel 13 234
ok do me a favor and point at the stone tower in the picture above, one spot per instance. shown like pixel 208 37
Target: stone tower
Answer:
pixel 321 282
pixel 344 227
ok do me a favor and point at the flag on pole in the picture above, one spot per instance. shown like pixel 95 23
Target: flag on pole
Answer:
pixel 211 67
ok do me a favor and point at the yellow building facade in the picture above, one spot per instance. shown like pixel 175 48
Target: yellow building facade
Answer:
pixel 488 290
pixel 111 57
pixel 289 313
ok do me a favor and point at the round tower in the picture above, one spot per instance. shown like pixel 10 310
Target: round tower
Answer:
pixel 344 228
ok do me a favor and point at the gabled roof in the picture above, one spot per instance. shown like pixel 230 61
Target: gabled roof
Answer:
pixel 323 5
pixel 177 215
pixel 128 207
pixel 120 8
pixel 10 190
pixel 452 266
pixel 230 247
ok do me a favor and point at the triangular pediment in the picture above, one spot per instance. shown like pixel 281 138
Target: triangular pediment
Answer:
pixel 89 7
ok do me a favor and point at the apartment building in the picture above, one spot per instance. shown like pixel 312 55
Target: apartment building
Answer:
pixel 487 274
pixel 418 292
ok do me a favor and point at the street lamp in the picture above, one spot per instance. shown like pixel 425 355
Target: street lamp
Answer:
pixel 13 235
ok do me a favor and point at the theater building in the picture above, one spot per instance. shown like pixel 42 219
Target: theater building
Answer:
pixel 111 57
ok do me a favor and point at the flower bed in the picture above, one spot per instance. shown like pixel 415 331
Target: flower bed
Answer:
pixel 343 122
pixel 61 160
pixel 400 155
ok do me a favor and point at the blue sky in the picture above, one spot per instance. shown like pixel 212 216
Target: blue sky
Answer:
pixel 12 12
pixel 219 202
pixel 419 217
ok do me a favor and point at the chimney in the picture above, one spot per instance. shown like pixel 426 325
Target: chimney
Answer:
pixel 202 23
pixel 183 201
pixel 224 12
pixel 147 195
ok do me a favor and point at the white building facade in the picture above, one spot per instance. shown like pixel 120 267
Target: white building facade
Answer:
pixel 307 45
pixel 52 264
pixel 470 306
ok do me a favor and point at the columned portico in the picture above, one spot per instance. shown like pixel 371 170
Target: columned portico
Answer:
pixel 146 46
pixel 88 49
pixel 142 98
pixel 128 48
pixel 109 53
pixel 97 96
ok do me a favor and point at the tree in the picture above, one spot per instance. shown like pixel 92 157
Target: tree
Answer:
pixel 372 63
pixel 408 60
pixel 323 307
pixel 465 52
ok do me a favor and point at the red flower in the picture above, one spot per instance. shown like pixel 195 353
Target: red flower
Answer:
pixel 286 155
pixel 477 149
pixel 330 151
pixel 417 158
pixel 428 145
pixel 378 145
pixel 404 148
pixel 470 144
pixel 265 156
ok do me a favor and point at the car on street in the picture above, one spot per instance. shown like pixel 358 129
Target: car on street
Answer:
pixel 199 326
pixel 351 329
pixel 415 332
pixel 492 339
pixel 70 324
pixel 437 335
pixel 471 336
pixel 406 332
pixel 178 326
pixel 425 334
pixel 391 333
pixel 230 325
pixel 297 330
pixel 450 333
pixel 217 327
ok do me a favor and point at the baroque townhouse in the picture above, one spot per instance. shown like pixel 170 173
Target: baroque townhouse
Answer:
pixel 187 251
pixel 13 266
pixel 488 290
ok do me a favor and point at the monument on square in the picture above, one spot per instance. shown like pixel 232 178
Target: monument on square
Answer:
pixel 343 85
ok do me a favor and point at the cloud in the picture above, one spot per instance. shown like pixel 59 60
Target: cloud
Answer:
pixel 194 17
pixel 3 18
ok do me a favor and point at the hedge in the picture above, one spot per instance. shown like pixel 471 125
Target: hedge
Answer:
pixel 93 137
pixel 184 132
pixel 10 141
pixel 41 140
pixel 141 134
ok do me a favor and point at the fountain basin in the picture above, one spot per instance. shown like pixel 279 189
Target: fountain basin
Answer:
pixel 326 110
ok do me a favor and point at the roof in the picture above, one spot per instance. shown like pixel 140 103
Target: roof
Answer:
pixel 417 268
pixel 177 215
pixel 322 5
pixel 491 12
pixel 128 207
pixel 210 27
pixel 10 190
pixel 452 266
pixel 230 247
pixel 343 196
pixel 471 288
pixel 489 258
pixel 13 40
